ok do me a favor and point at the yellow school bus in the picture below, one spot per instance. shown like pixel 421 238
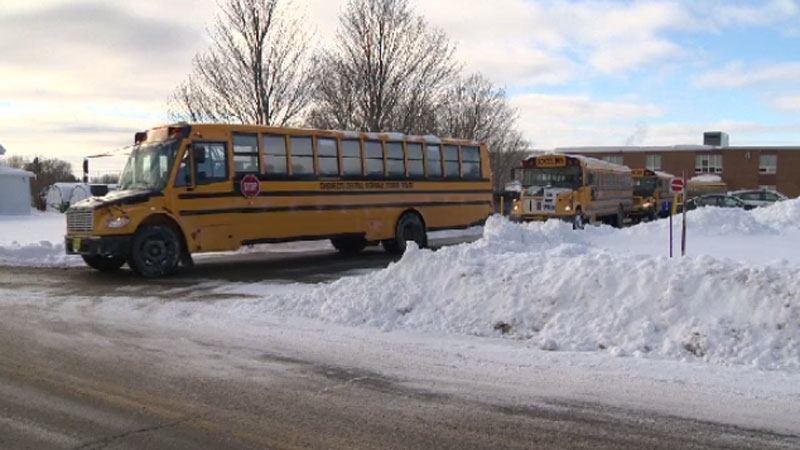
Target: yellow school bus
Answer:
pixel 652 194
pixel 193 188
pixel 574 188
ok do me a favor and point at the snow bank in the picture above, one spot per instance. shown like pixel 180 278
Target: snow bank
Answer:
pixel 734 300
pixel 544 283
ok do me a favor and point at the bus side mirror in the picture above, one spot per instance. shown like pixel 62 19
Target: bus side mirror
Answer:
pixel 199 155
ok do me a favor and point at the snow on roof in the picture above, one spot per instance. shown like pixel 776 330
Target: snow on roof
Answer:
pixel 5 170
pixel 707 178
pixel 628 149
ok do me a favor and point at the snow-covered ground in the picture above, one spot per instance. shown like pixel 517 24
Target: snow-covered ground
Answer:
pixel 601 299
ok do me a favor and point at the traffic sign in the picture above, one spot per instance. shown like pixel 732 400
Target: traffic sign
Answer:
pixel 677 185
pixel 250 186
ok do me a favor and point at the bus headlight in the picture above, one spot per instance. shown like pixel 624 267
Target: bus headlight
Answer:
pixel 516 206
pixel 118 222
pixel 568 208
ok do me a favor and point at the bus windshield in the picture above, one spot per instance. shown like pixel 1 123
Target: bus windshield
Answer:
pixel 149 166
pixel 564 177
pixel 644 187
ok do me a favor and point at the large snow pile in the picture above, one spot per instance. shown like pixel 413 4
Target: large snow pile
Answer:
pixel 735 299
pixel 549 285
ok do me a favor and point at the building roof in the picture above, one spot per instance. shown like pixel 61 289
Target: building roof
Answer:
pixel 671 148
pixel 5 170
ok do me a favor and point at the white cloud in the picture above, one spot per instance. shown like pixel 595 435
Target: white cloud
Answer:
pixel 559 37
pixel 762 13
pixel 739 75
pixel 789 103
pixel 551 121
pixel 619 57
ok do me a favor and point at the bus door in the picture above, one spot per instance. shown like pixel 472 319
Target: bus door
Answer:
pixel 204 190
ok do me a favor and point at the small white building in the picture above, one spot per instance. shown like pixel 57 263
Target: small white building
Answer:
pixel 15 191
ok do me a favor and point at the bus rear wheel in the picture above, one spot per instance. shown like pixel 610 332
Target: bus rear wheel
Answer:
pixel 409 228
pixel 155 251
pixel 349 245
pixel 104 263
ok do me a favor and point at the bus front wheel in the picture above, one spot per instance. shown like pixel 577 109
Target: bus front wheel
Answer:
pixel 577 222
pixel 409 228
pixel 104 263
pixel 155 251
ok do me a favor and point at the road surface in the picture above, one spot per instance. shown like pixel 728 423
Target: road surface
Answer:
pixel 69 383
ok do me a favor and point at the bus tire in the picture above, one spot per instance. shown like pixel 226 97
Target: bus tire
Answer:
pixel 104 263
pixel 619 219
pixel 578 222
pixel 349 245
pixel 409 228
pixel 155 251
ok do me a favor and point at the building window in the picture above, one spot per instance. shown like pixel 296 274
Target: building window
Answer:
pixel 653 162
pixel 708 164
pixel 616 159
pixel 768 163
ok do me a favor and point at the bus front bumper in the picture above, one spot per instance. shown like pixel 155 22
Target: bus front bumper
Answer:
pixel 98 245
pixel 538 218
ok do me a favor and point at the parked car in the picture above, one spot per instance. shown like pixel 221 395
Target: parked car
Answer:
pixel 718 200
pixel 758 197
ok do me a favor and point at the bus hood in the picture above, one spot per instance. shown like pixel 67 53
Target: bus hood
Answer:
pixel 117 198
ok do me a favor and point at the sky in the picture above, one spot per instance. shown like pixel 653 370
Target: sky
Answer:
pixel 80 77
pixel 601 313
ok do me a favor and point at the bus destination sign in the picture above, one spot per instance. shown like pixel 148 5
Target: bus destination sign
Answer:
pixel 551 161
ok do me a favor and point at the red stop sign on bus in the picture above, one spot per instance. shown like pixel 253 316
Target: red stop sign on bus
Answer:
pixel 250 186
pixel 677 185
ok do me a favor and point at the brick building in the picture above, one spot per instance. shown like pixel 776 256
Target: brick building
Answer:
pixel 749 167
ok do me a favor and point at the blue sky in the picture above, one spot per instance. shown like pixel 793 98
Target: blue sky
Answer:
pixel 79 77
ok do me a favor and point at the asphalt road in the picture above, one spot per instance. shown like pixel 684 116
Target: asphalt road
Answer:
pixel 121 392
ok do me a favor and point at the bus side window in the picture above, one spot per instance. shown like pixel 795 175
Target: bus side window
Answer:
pixel 213 167
pixel 274 148
pixel 327 157
pixel 471 162
pixel 373 156
pixel 245 153
pixel 302 154
pixel 434 155
pixel 351 158
pixel 416 168
pixel 395 160
pixel 451 163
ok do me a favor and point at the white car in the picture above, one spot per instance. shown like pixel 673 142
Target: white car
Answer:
pixel 758 197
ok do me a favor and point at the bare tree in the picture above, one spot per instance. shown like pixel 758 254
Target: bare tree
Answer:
pixel 386 72
pixel 475 109
pixel 254 71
